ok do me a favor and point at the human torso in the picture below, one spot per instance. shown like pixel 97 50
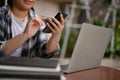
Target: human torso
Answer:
pixel 17 28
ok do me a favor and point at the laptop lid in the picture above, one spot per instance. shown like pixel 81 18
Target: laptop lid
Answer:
pixel 90 47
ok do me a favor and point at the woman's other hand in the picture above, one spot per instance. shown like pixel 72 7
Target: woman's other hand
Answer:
pixel 32 27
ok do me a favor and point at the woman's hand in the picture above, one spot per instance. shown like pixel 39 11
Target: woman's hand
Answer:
pixel 32 27
pixel 55 26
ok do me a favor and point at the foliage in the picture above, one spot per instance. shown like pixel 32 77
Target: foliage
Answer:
pixel 107 1
pixel 98 20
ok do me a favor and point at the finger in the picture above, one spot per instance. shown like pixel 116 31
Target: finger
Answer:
pixel 43 18
pixel 35 23
pixel 53 25
pixel 56 22
pixel 51 28
pixel 38 21
pixel 62 20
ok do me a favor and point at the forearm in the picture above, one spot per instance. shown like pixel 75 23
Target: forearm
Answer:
pixel 52 44
pixel 14 43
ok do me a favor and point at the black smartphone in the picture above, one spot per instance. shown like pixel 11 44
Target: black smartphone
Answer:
pixel 46 29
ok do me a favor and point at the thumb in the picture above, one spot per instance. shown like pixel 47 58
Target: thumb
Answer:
pixel 38 22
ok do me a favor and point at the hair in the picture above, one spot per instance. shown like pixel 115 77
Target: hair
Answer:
pixel 9 2
pixel 2 3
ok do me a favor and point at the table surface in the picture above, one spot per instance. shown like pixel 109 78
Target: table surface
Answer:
pixel 100 73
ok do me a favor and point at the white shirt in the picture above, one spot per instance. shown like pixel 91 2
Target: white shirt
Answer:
pixel 17 28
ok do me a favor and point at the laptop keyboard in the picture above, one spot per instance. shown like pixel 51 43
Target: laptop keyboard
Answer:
pixel 64 67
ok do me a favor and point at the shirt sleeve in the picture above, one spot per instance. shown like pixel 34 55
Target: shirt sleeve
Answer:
pixel 2 48
pixel 44 53
pixel 41 49
pixel 2 40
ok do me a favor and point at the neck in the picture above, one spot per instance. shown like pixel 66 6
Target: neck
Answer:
pixel 19 14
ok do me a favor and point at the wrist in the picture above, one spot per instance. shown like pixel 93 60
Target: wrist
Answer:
pixel 56 37
pixel 25 37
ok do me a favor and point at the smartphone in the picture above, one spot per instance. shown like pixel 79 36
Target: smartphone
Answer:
pixel 46 29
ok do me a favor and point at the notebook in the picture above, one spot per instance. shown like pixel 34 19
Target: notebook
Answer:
pixel 29 64
pixel 89 49
pixel 32 62
pixel 32 75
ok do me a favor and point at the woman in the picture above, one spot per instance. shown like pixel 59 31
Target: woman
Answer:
pixel 20 33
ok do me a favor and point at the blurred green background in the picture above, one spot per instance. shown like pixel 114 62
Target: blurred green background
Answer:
pixel 99 10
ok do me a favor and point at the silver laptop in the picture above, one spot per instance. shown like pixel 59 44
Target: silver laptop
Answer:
pixel 89 49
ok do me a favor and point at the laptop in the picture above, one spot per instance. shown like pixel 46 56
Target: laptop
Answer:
pixel 89 49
